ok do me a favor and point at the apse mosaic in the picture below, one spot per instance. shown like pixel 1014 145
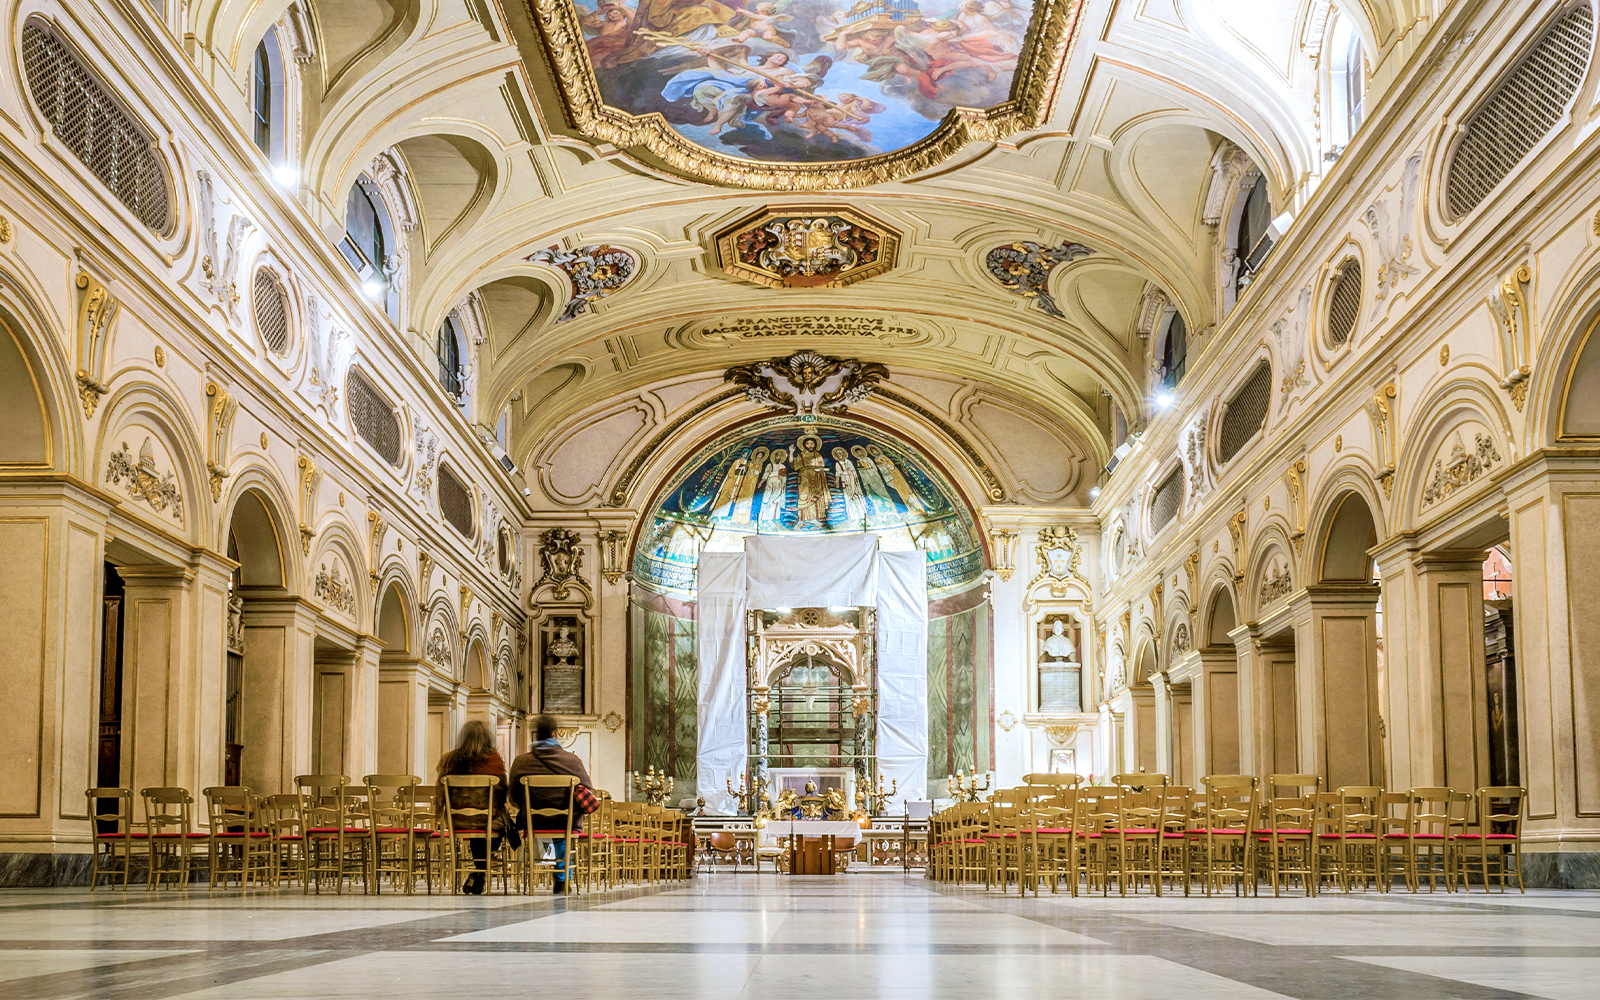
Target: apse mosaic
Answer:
pixel 783 476
pixel 803 81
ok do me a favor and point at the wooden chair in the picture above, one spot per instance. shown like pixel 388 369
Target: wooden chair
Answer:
pixel 281 817
pixel 391 807
pixel 1290 804
pixel 170 833
pixel 1394 829
pixel 1140 823
pixel 552 823
pixel 329 828
pixel 1498 837
pixel 1177 813
pixel 1359 853
pixel 238 844
pixel 1096 813
pixel 429 843
pixel 1229 833
pixel 1425 847
pixel 1001 845
pixel 114 835
pixel 722 844
pixel 464 822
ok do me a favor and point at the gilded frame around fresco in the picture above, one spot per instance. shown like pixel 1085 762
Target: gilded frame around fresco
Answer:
pixel 651 139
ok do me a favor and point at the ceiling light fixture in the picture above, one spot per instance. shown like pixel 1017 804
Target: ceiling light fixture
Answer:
pixel 1163 400
pixel 285 175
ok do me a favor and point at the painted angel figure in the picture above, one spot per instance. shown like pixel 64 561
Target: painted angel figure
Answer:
pixel 762 22
pixel 821 121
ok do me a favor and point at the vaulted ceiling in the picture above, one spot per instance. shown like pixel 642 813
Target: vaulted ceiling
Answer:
pixel 1120 161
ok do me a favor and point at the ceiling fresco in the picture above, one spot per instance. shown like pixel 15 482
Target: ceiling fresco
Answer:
pixel 803 82
pixel 813 476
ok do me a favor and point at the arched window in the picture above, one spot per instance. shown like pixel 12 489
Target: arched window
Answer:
pixel 369 244
pixel 1347 83
pixel 268 81
pixel 448 351
pixel 363 244
pixel 1175 352
pixel 1254 234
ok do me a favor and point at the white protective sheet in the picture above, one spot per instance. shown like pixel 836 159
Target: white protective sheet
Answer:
pixel 719 646
pixel 804 571
pixel 903 672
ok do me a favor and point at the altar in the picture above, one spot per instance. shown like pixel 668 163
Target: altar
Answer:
pixel 814 844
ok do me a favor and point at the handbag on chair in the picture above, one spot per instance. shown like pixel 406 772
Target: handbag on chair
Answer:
pixel 584 800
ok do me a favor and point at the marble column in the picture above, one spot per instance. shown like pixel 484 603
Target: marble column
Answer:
pixel 1164 734
pixel 403 717
pixel 157 679
pixel 276 692
pixel 362 736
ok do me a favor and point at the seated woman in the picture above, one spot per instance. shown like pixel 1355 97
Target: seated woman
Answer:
pixel 475 753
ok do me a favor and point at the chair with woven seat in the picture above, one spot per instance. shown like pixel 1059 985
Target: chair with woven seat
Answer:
pixel 1002 847
pixel 1394 832
pixel 391 809
pixel 1140 823
pixel 553 823
pixel 466 815
pixel 1286 840
pixel 169 825
pixel 1095 812
pixel 1229 832
pixel 1177 814
pixel 115 836
pixel 1497 838
pixel 238 844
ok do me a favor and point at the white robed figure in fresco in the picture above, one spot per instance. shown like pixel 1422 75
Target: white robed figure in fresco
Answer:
pixel 744 499
pixel 892 474
pixel 815 495
pixel 723 504
pixel 774 487
pixel 875 489
pixel 855 503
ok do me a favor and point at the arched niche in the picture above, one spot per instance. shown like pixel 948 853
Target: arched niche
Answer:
pixel 1221 620
pixel 1349 533
pixel 27 441
pixel 255 543
pixel 1580 395
pixel 394 625
pixel 477 677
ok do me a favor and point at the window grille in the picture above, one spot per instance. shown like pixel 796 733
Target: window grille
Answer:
pixel 1246 409
pixel 1344 302
pixel 272 313
pixel 1164 502
pixel 94 126
pixel 373 417
pixel 1523 106
pixel 455 503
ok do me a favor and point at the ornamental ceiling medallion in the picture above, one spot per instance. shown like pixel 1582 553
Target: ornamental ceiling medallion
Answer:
pixel 800 95
pixel 807 248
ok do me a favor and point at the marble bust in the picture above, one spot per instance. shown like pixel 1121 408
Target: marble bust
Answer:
pixel 1057 645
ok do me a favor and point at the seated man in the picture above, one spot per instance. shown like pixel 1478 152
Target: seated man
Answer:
pixel 547 757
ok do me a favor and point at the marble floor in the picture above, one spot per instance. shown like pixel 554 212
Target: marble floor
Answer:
pixel 726 936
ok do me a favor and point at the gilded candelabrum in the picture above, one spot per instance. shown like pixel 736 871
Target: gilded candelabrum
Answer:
pixel 879 797
pixel 654 787
pixel 965 789
pixel 749 801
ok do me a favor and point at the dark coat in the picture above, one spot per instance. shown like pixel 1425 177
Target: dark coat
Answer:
pixel 540 760
pixel 493 765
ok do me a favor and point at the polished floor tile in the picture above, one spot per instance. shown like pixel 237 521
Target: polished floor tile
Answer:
pixel 742 937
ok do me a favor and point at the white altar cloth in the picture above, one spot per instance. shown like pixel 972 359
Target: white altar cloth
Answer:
pixel 841 828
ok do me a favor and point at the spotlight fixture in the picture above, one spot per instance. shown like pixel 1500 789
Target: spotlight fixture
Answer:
pixel 285 175
pixel 1094 493
pixel 1163 400
pixel 373 287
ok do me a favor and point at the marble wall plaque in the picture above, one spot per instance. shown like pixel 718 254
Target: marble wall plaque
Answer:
pixel 563 690
pixel 1059 687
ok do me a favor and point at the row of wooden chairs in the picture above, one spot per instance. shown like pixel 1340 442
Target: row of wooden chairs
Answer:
pixel 1234 833
pixel 389 830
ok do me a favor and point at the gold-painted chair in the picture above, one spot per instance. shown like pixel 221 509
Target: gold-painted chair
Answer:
pixel 1096 812
pixel 1285 840
pixel 392 807
pixel 1140 823
pixel 1498 837
pixel 115 838
pixel 467 813
pixel 238 844
pixel 281 817
pixel 1177 818
pixel 169 825
pixel 331 822
pixel 1425 846
pixel 553 823
pixel 1232 810
pixel 1357 824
